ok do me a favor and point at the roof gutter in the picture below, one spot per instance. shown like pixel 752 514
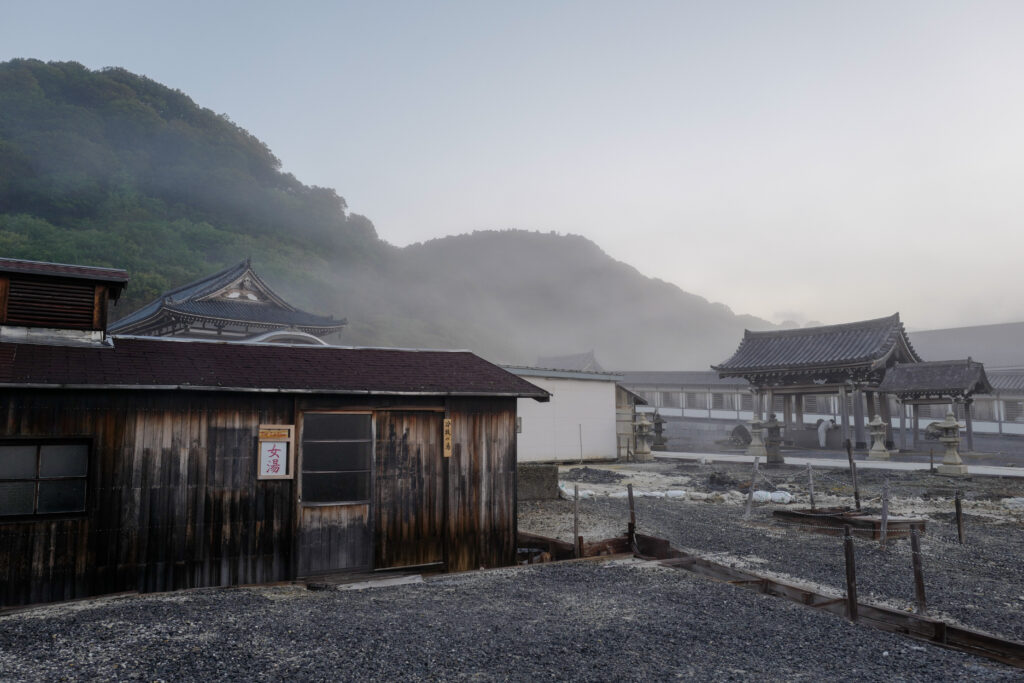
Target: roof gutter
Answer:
pixel 543 398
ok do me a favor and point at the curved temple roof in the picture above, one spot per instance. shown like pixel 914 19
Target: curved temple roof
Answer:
pixel 866 345
pixel 204 300
pixel 953 378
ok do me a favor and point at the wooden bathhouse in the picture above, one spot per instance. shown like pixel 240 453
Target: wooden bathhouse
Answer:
pixel 234 304
pixel 152 464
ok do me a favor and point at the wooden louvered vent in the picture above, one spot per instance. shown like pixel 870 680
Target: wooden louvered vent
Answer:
pixel 43 302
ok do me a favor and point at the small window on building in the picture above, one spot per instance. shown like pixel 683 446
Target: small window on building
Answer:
pixel 670 399
pixel 337 456
pixel 721 401
pixel 746 402
pixel 1013 411
pixel 41 478
pixel 698 400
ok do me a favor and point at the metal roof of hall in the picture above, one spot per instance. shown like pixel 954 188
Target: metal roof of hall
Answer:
pixel 937 378
pixel 160 363
pixel 868 343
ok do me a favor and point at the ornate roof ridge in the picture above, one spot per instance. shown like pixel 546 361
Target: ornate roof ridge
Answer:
pixel 801 331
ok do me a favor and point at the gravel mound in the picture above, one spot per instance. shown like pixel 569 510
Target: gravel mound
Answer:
pixel 570 621
pixel 591 475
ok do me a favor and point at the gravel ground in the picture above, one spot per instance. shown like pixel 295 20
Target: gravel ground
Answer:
pixel 594 621
pixel 979 584
pixel 584 620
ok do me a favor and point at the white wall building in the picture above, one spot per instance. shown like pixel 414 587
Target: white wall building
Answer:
pixel 578 422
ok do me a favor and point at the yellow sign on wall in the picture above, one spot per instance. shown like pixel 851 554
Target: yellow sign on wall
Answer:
pixel 447 437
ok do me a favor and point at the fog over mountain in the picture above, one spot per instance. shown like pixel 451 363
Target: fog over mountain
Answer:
pixel 111 168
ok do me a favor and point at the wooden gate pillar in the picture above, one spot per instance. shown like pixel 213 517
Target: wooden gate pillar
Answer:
pixel 858 419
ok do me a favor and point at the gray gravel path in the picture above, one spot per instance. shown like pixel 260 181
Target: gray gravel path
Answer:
pixel 980 584
pixel 569 621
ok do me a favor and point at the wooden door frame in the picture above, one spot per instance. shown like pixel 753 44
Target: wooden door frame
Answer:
pixel 300 428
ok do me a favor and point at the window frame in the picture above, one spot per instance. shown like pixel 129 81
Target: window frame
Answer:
pixel 301 466
pixel 38 443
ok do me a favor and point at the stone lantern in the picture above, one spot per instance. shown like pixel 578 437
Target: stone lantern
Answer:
pixel 773 441
pixel 756 447
pixel 878 450
pixel 951 465
pixel 643 440
pixel 660 442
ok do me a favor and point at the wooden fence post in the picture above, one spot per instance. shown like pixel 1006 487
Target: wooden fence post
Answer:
pixel 810 478
pixel 576 518
pixel 632 518
pixel 851 575
pixel 750 491
pixel 853 473
pixel 915 552
pixel 957 501
pixel 883 532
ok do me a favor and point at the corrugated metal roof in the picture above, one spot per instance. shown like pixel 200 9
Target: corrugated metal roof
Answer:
pixel 133 362
pixel 525 371
pixel 936 378
pixel 577 361
pixel 849 344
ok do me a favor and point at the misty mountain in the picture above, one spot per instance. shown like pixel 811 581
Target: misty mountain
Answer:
pixel 110 168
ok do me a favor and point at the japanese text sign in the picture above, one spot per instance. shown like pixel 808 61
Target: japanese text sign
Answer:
pixel 274 455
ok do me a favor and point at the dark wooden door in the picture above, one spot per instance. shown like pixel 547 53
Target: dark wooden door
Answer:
pixel 409 498
pixel 335 492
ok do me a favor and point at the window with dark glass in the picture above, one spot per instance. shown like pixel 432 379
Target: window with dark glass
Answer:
pixel 337 457
pixel 39 478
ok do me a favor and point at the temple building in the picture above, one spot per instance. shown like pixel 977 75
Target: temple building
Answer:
pixel 845 359
pixel 234 304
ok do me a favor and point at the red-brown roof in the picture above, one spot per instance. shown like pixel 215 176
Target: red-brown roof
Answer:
pixel 10 265
pixel 145 363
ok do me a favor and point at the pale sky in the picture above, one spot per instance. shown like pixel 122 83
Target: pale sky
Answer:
pixel 808 160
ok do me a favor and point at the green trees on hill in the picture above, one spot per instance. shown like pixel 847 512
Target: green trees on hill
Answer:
pixel 111 168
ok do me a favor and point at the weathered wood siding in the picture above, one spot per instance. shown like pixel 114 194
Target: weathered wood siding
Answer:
pixel 482 484
pixel 409 501
pixel 334 538
pixel 172 498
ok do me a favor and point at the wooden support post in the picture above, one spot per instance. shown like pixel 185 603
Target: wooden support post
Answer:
pixel 970 424
pixel 915 552
pixel 853 473
pixel 750 491
pixel 859 434
pixel 883 531
pixel 810 480
pixel 844 412
pixel 576 517
pixel 787 417
pixel 916 412
pixel 931 460
pixel 851 575
pixel 903 426
pixel 959 515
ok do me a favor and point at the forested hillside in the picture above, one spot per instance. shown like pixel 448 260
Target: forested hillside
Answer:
pixel 113 169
